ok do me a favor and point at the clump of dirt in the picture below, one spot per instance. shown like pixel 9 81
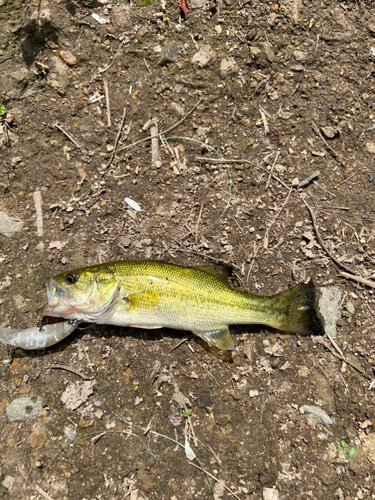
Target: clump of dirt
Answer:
pixel 256 98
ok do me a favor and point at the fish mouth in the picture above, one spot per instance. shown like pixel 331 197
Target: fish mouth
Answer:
pixel 58 301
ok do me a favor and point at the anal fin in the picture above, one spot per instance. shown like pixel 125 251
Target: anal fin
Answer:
pixel 219 337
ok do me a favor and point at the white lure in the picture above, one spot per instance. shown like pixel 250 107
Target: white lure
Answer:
pixel 37 337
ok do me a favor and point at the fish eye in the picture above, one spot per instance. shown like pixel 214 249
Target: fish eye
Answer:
pixel 70 279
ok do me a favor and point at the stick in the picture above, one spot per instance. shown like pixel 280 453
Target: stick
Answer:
pixel 350 176
pixel 364 281
pixel 43 493
pixel 248 162
pixel 154 129
pixel 39 213
pixel 321 242
pixel 308 179
pixel 107 103
pixel 265 244
pixel 56 125
pixel 335 153
pixel 113 60
pixel 147 66
pixel 162 132
pixel 320 340
pixel 216 479
pixel 265 123
pixel 273 165
pixel 198 221
pixel 116 141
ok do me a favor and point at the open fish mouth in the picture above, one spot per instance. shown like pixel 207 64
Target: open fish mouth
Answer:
pixel 58 301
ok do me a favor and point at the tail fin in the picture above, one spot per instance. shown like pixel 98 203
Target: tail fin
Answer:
pixel 298 310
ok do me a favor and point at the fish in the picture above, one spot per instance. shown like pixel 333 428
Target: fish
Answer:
pixel 154 294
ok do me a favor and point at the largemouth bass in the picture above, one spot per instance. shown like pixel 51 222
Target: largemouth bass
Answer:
pixel 153 294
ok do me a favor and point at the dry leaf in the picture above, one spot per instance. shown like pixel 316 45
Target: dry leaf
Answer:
pixel 184 7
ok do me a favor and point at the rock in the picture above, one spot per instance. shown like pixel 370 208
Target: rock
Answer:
pixel 203 56
pixel 329 132
pixel 177 109
pixel 350 307
pixel 371 28
pixel 328 306
pixel 68 57
pixel 300 56
pixel 169 53
pixel 218 29
pixel 20 74
pixel 320 415
pixel 197 4
pixel 370 146
pixel 270 494
pixel 145 483
pixel 9 226
pixel 296 68
pixel 262 53
pixel 227 66
pixel 8 482
pixel 24 408
pixel 223 419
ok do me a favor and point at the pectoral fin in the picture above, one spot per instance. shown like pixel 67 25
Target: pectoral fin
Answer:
pixel 219 338
pixel 143 300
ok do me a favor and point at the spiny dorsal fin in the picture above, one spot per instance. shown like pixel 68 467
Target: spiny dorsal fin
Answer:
pixel 219 338
pixel 220 271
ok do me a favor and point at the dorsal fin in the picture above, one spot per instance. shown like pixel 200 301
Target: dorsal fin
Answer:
pixel 220 271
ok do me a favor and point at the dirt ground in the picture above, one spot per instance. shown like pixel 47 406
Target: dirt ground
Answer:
pixel 287 90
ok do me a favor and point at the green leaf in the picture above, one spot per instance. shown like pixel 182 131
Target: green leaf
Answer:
pixel 136 387
pixel 2 110
pixel 251 141
pixel 339 447
pixel 343 444
pixel 350 452
pixel 186 413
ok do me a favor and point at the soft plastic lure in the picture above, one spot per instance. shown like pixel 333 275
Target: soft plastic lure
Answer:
pixel 37 337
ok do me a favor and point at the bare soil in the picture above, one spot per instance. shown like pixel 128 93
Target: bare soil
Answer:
pixel 286 88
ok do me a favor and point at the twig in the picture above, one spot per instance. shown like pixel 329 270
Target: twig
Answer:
pixel 147 66
pixel 273 166
pixel 178 345
pixel 69 368
pixel 335 153
pixel 39 213
pixel 324 189
pixel 56 125
pixel 364 281
pixel 265 123
pixel 198 221
pixel 252 261
pixel 247 162
pixel 161 132
pixel 215 479
pixel 43 493
pixel 116 142
pixel 321 242
pixel 154 129
pixel 350 176
pixel 107 103
pixel 308 179
pixel 210 374
pixel 265 243
pixel 113 60
pixel 322 341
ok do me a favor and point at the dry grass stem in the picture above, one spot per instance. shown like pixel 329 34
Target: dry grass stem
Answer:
pixel 70 137
pixel 215 479
pixel 133 144
pixel 107 104
pixel 39 213
pixel 364 281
